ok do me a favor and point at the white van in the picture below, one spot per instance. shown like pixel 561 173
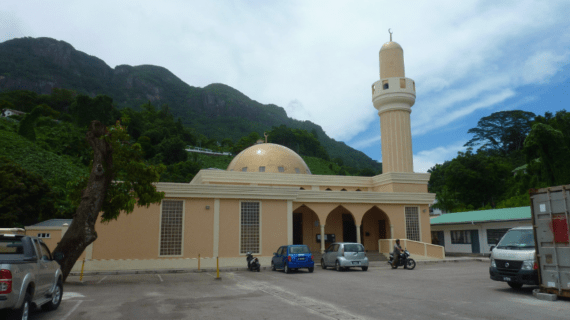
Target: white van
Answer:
pixel 513 260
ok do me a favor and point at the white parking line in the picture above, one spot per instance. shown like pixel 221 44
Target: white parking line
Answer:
pixel 72 309
pixel 160 277
pixel 102 279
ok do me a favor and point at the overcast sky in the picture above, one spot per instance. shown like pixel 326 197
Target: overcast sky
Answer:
pixel 318 59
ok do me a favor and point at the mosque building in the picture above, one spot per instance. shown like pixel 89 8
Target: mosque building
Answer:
pixel 268 197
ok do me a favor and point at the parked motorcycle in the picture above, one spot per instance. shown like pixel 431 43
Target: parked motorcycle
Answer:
pixel 252 262
pixel 404 260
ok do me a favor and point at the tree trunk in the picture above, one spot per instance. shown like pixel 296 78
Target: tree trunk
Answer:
pixel 81 232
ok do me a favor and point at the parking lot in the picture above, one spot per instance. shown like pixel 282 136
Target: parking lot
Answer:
pixel 459 290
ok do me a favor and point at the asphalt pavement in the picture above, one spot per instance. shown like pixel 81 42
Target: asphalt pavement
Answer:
pixel 456 289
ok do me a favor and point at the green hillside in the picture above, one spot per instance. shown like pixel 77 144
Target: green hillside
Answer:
pixel 216 111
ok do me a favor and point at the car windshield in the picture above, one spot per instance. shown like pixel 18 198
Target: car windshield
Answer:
pixel 353 248
pixel 302 249
pixel 517 239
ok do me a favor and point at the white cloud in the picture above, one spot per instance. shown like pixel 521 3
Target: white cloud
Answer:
pixel 425 160
pixel 360 144
pixel 542 65
pixel 317 59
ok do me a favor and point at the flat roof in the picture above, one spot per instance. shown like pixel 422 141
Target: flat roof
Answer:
pixel 493 215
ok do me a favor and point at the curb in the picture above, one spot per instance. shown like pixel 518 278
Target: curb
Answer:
pixel 373 264
pixel 544 296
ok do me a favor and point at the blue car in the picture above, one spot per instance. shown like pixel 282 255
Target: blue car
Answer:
pixel 293 257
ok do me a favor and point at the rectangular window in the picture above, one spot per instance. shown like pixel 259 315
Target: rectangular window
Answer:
pixel 460 236
pixel 494 235
pixel 281 169
pixel 44 235
pixel 171 228
pixel 412 224
pixel 261 169
pixel 250 228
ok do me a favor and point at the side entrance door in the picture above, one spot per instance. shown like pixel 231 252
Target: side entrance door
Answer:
pixel 475 241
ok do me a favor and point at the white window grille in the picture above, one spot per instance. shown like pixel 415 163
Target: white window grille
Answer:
pixel 412 224
pixel 250 228
pixel 262 169
pixel 281 169
pixel 171 228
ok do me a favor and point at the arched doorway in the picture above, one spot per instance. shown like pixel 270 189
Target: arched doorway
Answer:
pixel 306 227
pixel 340 222
pixel 375 226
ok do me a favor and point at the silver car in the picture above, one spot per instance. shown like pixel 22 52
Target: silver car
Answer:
pixel 343 255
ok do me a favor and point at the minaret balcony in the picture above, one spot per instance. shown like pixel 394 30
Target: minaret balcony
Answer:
pixel 393 90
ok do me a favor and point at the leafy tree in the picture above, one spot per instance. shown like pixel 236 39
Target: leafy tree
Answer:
pixel 502 131
pixel 547 154
pixel 85 109
pixel 26 196
pixel 27 124
pixel 173 150
pixel 180 172
pixel 118 180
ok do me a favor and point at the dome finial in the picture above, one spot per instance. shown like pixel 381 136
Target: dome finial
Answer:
pixel 265 134
pixel 390 34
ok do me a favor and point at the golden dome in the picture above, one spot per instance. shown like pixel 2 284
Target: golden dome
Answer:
pixel 269 157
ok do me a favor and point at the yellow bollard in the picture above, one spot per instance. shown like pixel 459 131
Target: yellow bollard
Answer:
pixel 218 269
pixel 82 266
pixel 198 262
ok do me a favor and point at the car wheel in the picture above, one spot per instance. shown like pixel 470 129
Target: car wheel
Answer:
pixel 24 311
pixel 56 297
pixel 323 265
pixel 515 285
pixel 337 266
pixel 364 268
pixel 286 269
pixel 311 269
pixel 272 266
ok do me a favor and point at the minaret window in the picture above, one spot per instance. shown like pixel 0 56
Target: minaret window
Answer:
pixel 281 169
pixel 403 83
pixel 244 169
pixel 262 169
pixel 328 189
pixel 343 189
pixel 385 85
pixel 297 170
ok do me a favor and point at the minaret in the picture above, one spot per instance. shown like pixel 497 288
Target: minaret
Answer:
pixel 393 96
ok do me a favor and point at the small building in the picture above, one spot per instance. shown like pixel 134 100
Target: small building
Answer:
pixel 476 231
pixel 9 112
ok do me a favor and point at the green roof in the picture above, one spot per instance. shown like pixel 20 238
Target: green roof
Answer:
pixel 520 213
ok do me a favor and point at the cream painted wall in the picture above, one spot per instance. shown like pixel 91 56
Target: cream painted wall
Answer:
pixel 229 228
pixel 198 228
pixel 274 226
pixel 131 236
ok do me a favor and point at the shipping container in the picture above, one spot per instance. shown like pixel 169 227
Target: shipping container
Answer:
pixel 549 207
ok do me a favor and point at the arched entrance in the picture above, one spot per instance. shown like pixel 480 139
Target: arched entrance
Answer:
pixel 306 227
pixel 375 226
pixel 340 222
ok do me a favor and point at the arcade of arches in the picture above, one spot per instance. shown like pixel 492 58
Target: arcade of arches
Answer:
pixel 348 223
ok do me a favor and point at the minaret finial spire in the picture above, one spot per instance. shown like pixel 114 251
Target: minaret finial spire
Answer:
pixel 390 34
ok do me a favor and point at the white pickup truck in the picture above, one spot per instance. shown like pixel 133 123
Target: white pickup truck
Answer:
pixel 29 276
